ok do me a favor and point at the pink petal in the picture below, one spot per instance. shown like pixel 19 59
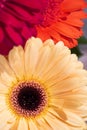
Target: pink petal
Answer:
pixel 1 35
pixel 33 4
pixel 8 19
pixel 16 38
pixel 5 45
pixel 23 14
pixel 28 32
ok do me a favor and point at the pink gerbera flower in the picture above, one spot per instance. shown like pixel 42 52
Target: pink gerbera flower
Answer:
pixel 17 21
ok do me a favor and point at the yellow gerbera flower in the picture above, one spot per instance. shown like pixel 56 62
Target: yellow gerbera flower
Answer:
pixel 42 87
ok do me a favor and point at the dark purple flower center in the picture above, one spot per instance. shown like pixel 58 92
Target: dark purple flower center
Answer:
pixel 28 99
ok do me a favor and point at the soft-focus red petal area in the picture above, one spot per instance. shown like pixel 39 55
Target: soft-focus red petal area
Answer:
pixel 55 35
pixel 43 33
pixel 74 18
pixel 47 33
pixel 67 30
pixel 1 34
pixel 78 14
pixel 69 42
pixel 75 22
pixel 72 5
pixel 8 19
pixel 59 28
pixel 14 35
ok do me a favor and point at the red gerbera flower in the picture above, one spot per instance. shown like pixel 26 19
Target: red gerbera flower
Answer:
pixel 17 21
pixel 62 21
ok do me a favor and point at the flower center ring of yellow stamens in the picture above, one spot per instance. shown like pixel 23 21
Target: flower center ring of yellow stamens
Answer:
pixel 27 99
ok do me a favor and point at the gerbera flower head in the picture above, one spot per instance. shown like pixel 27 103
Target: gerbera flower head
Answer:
pixel 17 21
pixel 63 21
pixel 42 86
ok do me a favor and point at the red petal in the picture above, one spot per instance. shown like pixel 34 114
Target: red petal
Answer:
pixel 77 17
pixel 73 5
pixel 78 14
pixel 68 41
pixel 67 30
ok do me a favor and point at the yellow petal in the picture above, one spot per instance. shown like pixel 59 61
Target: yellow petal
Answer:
pixel 55 123
pixel 5 117
pixel 58 112
pixel 3 88
pixel 31 55
pixel 56 102
pixel 32 125
pixel 43 58
pixel 48 56
pixel 7 76
pixel 2 103
pixel 73 119
pixel 23 125
pixel 43 124
pixel 15 125
pixel 73 128
pixel 63 86
pixel 9 124
pixel 16 61
pixel 62 68
pixel 74 100
pixel 48 42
